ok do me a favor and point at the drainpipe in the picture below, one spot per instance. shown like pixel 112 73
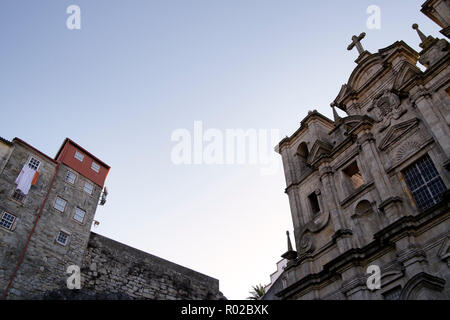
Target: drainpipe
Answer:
pixel 5 294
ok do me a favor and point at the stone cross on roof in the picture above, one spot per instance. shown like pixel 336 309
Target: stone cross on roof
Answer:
pixel 356 41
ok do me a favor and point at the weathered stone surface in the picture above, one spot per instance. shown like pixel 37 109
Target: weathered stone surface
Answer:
pixel 110 270
pixel 351 204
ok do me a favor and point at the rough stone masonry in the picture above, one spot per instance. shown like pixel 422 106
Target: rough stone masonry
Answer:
pixel 47 230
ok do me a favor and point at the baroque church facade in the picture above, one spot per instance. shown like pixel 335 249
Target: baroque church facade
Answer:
pixel 372 188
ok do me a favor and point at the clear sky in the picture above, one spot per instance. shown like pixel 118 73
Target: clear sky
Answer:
pixel 139 69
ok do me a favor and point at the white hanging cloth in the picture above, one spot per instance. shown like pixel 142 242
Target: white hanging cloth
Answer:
pixel 25 178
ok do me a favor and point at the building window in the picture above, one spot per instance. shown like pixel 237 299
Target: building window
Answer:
pixel 393 294
pixel 18 196
pixel 354 175
pixel 314 202
pixel 60 204
pixel 95 167
pixel 7 220
pixel 424 182
pixel 62 238
pixel 34 164
pixel 88 187
pixel 79 215
pixel 79 156
pixel 70 177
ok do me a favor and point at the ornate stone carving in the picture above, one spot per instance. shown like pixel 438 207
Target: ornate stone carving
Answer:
pixel 304 234
pixel 444 251
pixel 406 149
pixel 396 132
pixel 385 107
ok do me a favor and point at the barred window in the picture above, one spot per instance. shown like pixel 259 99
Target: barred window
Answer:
pixel 18 195
pixel 33 163
pixel 62 238
pixel 60 204
pixel 7 220
pixel 70 177
pixel 424 182
pixel 79 215
pixel 393 294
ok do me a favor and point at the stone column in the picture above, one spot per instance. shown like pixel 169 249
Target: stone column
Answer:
pixel 390 203
pixel 330 199
pixel 296 210
pixel 433 120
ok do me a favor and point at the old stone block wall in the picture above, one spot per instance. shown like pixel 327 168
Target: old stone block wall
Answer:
pixel 110 270
pixel 115 268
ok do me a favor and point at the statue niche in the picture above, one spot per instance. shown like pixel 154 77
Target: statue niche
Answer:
pixel 385 107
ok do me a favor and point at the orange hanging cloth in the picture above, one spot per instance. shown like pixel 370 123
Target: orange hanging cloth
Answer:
pixel 35 178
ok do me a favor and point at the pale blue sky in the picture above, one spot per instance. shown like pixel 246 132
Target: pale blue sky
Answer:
pixel 138 70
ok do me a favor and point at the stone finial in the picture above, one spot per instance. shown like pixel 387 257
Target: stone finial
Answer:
pixel 290 254
pixel 426 40
pixel 289 241
pixel 335 114
pixel 356 41
pixel 415 26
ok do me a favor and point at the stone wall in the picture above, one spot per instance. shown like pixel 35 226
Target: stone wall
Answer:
pixel 115 268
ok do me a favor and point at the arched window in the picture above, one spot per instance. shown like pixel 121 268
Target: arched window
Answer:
pixel 302 156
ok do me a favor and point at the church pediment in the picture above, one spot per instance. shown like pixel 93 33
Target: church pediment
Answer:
pixel 365 71
pixel 318 150
pixel 444 250
pixel 352 122
pixel 406 72
pixel 371 66
pixel 396 132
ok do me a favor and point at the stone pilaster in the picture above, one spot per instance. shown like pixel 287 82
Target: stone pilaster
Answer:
pixel 330 199
pixel 390 203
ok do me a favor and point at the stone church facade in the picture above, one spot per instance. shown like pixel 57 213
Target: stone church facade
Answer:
pixel 47 229
pixel 372 188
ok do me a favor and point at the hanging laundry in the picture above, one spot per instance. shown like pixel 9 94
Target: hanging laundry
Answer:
pixel 35 178
pixel 25 178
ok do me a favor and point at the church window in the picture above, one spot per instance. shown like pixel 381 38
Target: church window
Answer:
pixel 354 175
pixel 302 155
pixel 393 294
pixel 7 220
pixel 314 202
pixel 424 182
